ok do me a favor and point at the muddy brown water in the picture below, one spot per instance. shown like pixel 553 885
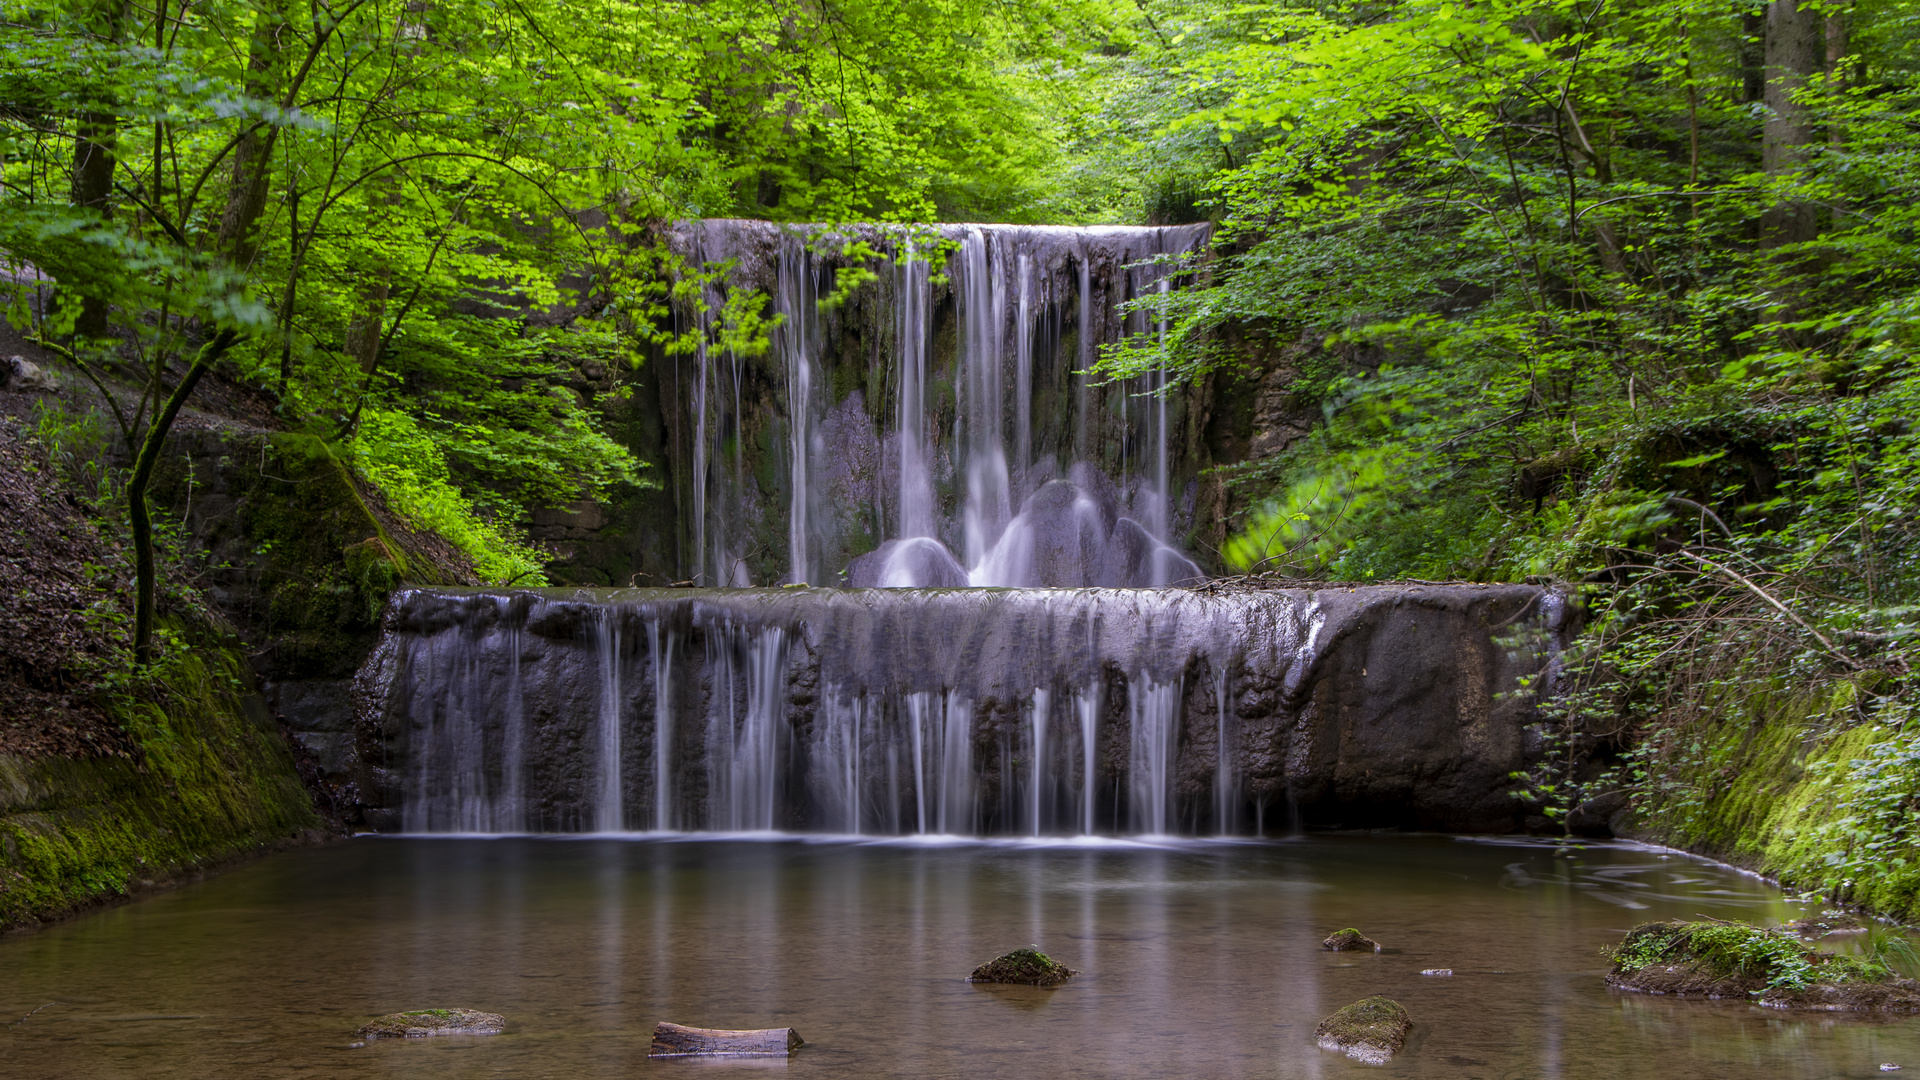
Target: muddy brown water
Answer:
pixel 1198 959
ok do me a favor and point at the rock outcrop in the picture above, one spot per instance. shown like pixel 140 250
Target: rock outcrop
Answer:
pixel 967 711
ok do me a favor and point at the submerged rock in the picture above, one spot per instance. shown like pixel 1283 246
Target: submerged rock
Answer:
pixel 1350 940
pixel 1771 966
pixel 1827 922
pixel 1027 967
pixel 424 1022
pixel 1370 1030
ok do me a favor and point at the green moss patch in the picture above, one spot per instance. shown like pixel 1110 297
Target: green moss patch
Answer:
pixel 1029 967
pixel 1796 786
pixel 1772 966
pixel 1370 1030
pixel 1350 940
pixel 210 779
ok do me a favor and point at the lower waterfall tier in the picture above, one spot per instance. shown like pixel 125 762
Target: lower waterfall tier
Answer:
pixel 1041 712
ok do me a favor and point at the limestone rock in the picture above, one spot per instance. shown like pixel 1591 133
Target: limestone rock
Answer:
pixel 1370 1030
pixel 23 376
pixel 1350 940
pixel 424 1022
pixel 1028 967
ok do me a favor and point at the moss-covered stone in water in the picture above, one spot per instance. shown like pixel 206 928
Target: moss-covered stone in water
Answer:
pixel 424 1022
pixel 1350 940
pixel 1370 1030
pixel 1734 960
pixel 1028 967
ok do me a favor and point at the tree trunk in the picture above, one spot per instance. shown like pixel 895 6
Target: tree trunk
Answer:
pixel 1796 51
pixel 137 513
pixel 1753 57
pixel 253 154
pixel 93 162
pixel 676 1040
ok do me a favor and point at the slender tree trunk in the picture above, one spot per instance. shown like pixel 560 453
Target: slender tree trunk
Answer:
pixel 1753 57
pixel 137 511
pixel 1796 51
pixel 252 169
pixel 94 144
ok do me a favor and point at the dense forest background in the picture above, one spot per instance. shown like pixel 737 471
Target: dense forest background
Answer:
pixel 1614 294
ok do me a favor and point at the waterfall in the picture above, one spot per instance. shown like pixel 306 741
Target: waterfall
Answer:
pixel 608 809
pixel 1086 707
pixel 1001 462
pixel 660 644
pixel 511 814
pixel 745 734
pixel 796 302
pixel 951 712
pixel 1039 714
pixel 1226 781
pixel 913 293
pixel 1152 709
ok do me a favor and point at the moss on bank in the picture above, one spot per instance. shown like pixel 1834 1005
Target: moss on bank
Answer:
pixel 210 779
pixel 1735 960
pixel 1808 787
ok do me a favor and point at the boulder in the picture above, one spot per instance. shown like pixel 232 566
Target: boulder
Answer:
pixel 1026 967
pixel 1350 940
pixel 424 1022
pixel 23 376
pixel 1370 1030
pixel 917 562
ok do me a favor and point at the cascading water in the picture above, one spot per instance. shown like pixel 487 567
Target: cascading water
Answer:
pixel 939 427
pixel 1019 712
pixel 951 416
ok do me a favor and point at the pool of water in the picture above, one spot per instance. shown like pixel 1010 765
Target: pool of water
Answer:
pixel 1198 959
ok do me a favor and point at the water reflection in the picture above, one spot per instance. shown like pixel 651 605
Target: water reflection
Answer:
pixel 1199 959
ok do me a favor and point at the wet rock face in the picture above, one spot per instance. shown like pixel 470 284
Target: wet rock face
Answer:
pixel 954 711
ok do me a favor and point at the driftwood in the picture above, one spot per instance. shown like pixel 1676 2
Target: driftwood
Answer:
pixel 678 1040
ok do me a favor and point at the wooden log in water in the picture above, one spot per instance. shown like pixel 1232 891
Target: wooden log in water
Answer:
pixel 678 1040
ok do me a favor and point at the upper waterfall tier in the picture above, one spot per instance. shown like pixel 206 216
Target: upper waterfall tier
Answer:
pixel 939 427
pixel 971 711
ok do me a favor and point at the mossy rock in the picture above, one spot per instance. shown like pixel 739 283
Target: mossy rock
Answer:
pixel 424 1022
pixel 1350 940
pixel 1772 966
pixel 1025 967
pixel 1370 1030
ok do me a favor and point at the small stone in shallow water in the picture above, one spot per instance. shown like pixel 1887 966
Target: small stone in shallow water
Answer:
pixel 1370 1030
pixel 1350 940
pixel 1437 971
pixel 1028 967
pixel 424 1022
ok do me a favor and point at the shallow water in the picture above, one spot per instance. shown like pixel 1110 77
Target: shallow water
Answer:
pixel 1198 959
